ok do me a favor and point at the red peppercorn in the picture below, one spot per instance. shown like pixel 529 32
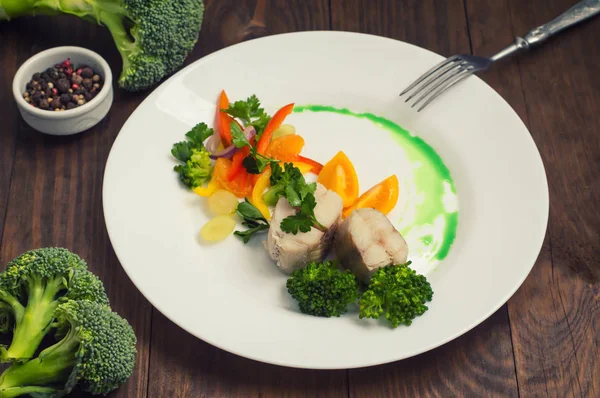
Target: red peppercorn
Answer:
pixel 54 91
pixel 79 71
pixel 69 71
pixel 75 86
pixel 66 63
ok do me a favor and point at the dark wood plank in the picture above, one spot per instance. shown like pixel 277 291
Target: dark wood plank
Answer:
pixel 10 56
pixel 555 317
pixel 481 362
pixel 183 366
pixel 477 364
pixel 180 364
pixel 56 193
pixel 437 25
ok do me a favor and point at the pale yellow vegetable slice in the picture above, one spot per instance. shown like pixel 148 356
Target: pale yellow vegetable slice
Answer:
pixel 217 229
pixel 222 202
pixel 284 129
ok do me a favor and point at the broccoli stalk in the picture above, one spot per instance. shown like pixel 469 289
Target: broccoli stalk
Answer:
pixel 153 37
pixel 32 321
pixel 33 286
pixel 97 351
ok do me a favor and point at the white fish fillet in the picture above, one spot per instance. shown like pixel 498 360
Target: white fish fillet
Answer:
pixel 292 252
pixel 366 241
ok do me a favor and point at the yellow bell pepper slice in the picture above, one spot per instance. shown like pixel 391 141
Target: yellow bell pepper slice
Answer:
pixel 261 185
pixel 382 197
pixel 207 190
pixel 340 176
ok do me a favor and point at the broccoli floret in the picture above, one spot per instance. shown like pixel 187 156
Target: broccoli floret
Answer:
pixel 398 292
pixel 96 351
pixel 197 168
pixel 33 285
pixel 153 36
pixel 321 289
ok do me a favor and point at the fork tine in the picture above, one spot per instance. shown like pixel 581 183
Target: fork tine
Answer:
pixel 440 82
pixel 428 73
pixel 466 73
pixel 435 77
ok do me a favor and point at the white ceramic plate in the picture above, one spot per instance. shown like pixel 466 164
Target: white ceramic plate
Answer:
pixel 233 296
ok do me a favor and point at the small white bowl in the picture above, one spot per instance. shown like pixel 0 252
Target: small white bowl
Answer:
pixel 70 121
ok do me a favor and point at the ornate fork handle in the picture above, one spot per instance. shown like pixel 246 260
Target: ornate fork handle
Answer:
pixel 579 12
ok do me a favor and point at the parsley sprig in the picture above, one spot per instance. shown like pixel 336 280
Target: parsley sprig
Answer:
pixel 255 163
pixel 252 218
pixel 250 113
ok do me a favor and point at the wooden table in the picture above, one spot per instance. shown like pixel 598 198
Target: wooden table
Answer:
pixel 544 342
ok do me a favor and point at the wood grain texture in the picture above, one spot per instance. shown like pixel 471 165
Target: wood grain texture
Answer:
pixel 437 25
pixel 56 192
pixel 180 364
pixel 481 362
pixel 10 56
pixel 183 366
pixel 555 315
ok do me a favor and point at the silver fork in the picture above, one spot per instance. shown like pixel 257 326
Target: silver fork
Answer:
pixel 455 69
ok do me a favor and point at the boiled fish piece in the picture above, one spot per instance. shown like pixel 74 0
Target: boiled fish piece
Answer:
pixel 366 240
pixel 292 252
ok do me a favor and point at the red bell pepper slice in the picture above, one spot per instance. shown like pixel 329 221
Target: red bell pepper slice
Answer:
pixel 274 123
pixel 236 163
pixel 224 120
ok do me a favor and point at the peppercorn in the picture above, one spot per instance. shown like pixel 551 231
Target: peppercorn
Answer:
pixel 62 85
pixel 76 79
pixel 87 73
pixel 55 103
pixel 44 104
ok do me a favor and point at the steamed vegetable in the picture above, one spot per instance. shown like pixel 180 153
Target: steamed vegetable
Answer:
pixel 340 176
pixel 398 293
pixel 197 168
pixel 321 289
pixel 33 285
pixel 382 197
pixel 154 37
pixel 274 123
pixel 96 352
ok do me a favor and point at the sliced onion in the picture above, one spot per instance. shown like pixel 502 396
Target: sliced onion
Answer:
pixel 228 152
pixel 224 153
pixel 213 142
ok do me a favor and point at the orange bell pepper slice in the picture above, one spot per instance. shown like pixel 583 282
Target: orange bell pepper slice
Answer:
pixel 286 147
pixel 382 197
pixel 315 166
pixel 223 120
pixel 274 123
pixel 262 183
pixel 241 186
pixel 340 176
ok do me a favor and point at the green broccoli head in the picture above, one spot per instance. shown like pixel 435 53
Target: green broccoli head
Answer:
pixel 398 292
pixel 321 289
pixel 33 285
pixel 96 352
pixel 162 36
pixel 154 37
pixel 197 170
